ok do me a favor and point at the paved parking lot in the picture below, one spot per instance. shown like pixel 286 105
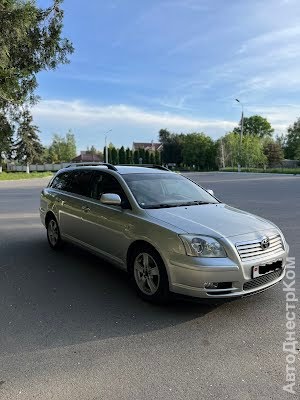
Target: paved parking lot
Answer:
pixel 71 328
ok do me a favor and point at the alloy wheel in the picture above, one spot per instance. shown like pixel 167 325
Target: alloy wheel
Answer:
pixel 53 233
pixel 146 273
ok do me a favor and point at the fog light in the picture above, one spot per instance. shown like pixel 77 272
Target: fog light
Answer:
pixel 210 285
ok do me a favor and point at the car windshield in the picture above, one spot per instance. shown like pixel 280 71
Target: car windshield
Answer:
pixel 166 190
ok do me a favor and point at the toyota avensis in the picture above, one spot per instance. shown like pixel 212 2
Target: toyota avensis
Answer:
pixel 169 233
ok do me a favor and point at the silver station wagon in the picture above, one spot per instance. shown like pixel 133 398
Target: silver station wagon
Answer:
pixel 169 233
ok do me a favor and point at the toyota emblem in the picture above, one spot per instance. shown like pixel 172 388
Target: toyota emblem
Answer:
pixel 265 243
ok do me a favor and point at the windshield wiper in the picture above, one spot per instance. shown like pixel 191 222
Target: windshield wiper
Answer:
pixel 163 205
pixel 195 203
pixel 169 205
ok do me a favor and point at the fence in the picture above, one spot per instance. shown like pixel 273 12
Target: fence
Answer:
pixel 36 167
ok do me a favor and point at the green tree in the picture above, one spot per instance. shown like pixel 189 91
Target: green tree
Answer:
pixel 6 137
pixel 232 142
pixel 255 125
pixel 198 150
pixel 30 41
pixel 104 154
pixel 229 150
pixel 136 157
pixel 28 147
pixel 62 149
pixel 147 157
pixel 157 157
pixel 292 145
pixel 70 147
pixel 252 152
pixel 274 152
pixel 55 149
pixel 152 159
pixel 114 155
pixel 142 155
pixel 109 154
pixel 122 155
pixel 172 146
pixel 128 156
pixel 164 135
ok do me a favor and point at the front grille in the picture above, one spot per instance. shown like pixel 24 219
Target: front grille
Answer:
pixel 262 280
pixel 251 250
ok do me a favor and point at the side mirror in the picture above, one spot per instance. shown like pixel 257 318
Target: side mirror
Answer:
pixel 111 199
pixel 210 191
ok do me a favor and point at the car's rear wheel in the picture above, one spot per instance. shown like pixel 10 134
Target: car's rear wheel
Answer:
pixel 149 275
pixel 53 234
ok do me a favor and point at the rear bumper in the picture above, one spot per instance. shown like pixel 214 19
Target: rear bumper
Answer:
pixel 189 279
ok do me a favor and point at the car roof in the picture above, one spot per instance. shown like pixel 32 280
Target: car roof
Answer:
pixel 121 169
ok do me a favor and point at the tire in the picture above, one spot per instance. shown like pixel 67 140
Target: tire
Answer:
pixel 53 234
pixel 148 275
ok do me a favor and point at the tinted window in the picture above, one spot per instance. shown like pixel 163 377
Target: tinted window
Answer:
pixel 80 182
pixel 105 183
pixel 61 181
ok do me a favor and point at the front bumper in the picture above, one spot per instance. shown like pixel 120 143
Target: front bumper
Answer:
pixel 187 276
pixel 42 216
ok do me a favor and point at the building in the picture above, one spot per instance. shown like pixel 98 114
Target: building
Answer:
pixel 87 156
pixel 151 146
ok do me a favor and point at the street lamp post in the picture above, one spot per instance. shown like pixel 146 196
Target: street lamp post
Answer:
pixel 241 135
pixel 106 149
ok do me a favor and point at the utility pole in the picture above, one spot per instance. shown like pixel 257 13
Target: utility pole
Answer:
pixel 241 135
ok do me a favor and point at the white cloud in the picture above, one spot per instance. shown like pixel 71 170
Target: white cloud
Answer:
pixel 128 124
pixel 85 114
pixel 270 37
pixel 89 122
pixel 280 116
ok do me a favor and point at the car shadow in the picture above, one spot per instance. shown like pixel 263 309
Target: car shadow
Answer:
pixel 58 298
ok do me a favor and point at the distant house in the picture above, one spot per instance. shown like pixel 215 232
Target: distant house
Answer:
pixel 87 156
pixel 152 146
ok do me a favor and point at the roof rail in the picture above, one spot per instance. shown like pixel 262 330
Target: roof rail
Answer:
pixel 155 166
pixel 89 164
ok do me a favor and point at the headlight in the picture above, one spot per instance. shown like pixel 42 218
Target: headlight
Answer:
pixel 202 246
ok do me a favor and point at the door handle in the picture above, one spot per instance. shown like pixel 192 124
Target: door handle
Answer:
pixel 85 208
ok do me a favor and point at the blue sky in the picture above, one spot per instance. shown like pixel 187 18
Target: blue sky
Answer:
pixel 142 65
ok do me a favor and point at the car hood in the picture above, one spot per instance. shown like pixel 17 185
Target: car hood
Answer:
pixel 218 220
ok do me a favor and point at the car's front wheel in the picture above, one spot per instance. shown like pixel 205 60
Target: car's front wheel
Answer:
pixel 53 234
pixel 149 275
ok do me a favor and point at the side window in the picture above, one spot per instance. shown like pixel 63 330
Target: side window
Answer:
pixel 105 183
pixel 80 182
pixel 61 181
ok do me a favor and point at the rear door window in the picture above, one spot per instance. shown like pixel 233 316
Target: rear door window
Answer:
pixel 80 182
pixel 61 181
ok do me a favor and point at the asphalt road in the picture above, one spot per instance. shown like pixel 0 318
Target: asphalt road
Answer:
pixel 71 327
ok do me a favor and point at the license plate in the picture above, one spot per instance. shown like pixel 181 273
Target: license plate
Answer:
pixel 259 270
pixel 255 272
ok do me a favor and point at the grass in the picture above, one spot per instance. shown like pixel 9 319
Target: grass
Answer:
pixel 11 176
pixel 292 171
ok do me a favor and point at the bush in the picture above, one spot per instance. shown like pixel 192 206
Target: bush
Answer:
pixel 261 170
